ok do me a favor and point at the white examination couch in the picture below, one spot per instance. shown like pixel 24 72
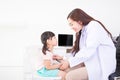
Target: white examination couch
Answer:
pixel 32 61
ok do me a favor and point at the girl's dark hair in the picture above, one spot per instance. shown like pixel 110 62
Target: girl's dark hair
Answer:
pixel 79 15
pixel 44 37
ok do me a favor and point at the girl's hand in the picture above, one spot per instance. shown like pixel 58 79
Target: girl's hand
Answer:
pixel 57 57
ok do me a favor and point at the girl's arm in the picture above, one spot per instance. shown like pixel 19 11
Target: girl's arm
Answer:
pixel 47 64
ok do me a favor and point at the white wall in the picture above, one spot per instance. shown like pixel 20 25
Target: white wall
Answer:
pixel 22 22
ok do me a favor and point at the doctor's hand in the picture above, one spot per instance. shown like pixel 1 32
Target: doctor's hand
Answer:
pixel 65 65
pixel 57 57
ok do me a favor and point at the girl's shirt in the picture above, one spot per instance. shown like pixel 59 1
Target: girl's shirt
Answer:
pixel 48 56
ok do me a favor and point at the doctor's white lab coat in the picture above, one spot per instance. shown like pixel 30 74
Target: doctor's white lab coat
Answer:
pixel 97 51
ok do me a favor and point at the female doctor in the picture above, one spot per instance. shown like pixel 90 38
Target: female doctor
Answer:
pixel 93 54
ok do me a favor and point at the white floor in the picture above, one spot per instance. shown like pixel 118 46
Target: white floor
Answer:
pixel 11 73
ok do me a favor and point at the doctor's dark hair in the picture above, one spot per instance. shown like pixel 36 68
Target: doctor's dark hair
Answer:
pixel 44 37
pixel 79 15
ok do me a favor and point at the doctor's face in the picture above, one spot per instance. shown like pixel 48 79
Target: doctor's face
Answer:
pixel 76 26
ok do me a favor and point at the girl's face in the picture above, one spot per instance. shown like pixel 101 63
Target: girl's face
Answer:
pixel 76 26
pixel 52 41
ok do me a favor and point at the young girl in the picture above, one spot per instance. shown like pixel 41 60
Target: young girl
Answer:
pixel 50 67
